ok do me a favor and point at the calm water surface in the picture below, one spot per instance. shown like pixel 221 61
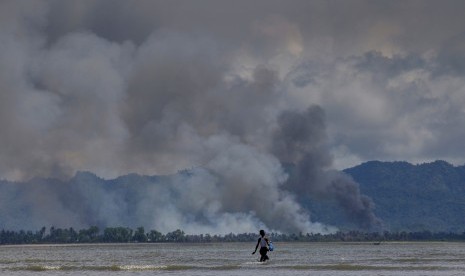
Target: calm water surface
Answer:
pixel 441 258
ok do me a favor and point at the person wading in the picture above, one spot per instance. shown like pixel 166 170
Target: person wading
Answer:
pixel 263 242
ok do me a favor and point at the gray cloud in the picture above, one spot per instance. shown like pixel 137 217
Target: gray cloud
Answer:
pixel 386 108
pixel 154 87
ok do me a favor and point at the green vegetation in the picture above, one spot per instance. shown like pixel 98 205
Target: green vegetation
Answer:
pixel 411 198
pixel 127 235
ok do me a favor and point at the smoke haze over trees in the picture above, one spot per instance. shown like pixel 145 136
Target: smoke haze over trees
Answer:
pixel 198 201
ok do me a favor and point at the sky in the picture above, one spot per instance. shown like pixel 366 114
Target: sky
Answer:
pixel 153 87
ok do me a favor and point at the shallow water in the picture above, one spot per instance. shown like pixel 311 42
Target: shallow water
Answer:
pixel 439 258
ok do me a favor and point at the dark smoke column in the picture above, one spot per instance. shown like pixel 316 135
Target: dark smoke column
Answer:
pixel 300 141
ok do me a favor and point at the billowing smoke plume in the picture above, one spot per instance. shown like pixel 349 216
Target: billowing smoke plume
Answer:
pixel 238 193
pixel 301 140
pixel 84 97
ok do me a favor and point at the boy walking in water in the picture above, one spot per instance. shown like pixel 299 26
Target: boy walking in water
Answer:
pixel 263 242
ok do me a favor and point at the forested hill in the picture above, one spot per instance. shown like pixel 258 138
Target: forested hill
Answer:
pixel 410 197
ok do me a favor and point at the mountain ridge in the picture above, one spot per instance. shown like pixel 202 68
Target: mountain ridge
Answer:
pixel 408 197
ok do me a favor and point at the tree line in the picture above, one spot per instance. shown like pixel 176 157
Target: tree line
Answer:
pixel 94 234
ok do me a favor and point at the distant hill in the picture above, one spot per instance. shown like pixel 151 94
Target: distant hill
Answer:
pixel 407 197
pixel 410 197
